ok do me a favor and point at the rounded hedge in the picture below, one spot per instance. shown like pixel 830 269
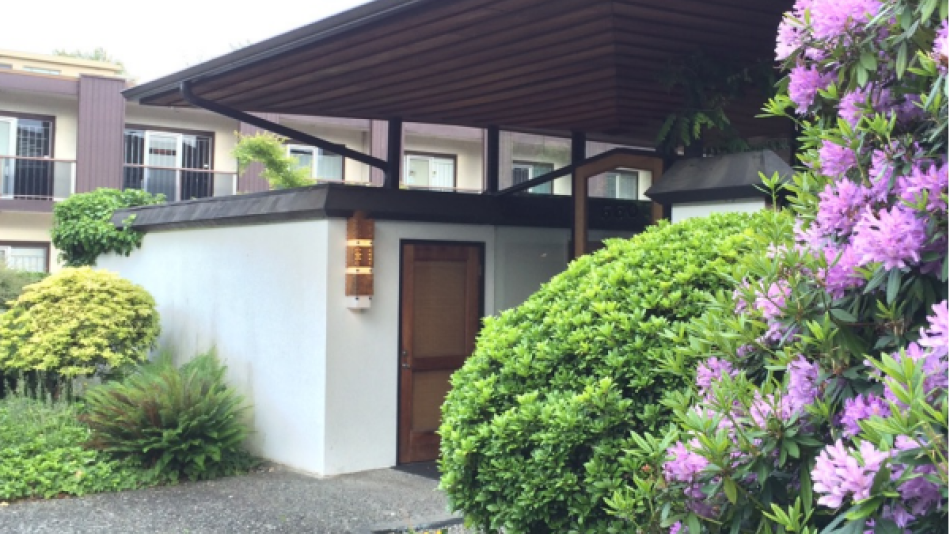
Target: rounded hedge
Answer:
pixel 539 415
pixel 78 322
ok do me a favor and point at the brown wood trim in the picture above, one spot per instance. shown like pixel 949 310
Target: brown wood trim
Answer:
pixel 168 129
pixel 436 363
pixel 32 116
pixel 33 244
pixel 453 157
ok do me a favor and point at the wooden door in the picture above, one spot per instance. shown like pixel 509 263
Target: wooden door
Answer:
pixel 439 319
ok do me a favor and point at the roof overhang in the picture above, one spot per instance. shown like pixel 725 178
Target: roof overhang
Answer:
pixel 727 177
pixel 532 65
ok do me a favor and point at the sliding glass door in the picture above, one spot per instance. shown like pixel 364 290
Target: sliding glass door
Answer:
pixel 7 148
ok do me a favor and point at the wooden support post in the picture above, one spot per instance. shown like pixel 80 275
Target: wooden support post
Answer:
pixel 579 214
pixel 394 154
pixel 492 159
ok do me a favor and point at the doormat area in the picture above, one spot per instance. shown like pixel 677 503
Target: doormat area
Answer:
pixel 449 526
pixel 423 469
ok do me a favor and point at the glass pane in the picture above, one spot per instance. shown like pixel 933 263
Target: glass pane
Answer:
pixel 33 138
pixel 329 166
pixel 304 157
pixel 28 259
pixel 7 147
pixel 162 151
pixel 135 147
pixel 443 173
pixel 417 172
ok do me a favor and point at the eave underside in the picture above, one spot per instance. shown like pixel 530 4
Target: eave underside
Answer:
pixel 548 65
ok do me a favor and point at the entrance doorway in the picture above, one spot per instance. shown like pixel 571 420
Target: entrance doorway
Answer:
pixel 441 287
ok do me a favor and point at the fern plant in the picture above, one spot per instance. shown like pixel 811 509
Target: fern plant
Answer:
pixel 185 421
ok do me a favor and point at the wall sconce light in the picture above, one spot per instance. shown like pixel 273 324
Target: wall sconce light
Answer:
pixel 360 232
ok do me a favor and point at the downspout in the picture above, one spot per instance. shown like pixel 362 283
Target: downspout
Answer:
pixel 220 109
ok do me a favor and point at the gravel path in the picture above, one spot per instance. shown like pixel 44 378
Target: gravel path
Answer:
pixel 273 501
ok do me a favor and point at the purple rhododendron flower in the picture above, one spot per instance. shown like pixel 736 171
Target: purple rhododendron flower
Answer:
pixel 802 384
pixel 860 408
pixel 840 275
pixel 934 369
pixel 941 47
pixel 856 104
pixel 894 237
pixel 675 528
pixel 838 473
pixel 803 85
pixel 836 160
pixel 840 206
pixel 930 178
pixel 937 335
pixel 831 19
pixel 711 371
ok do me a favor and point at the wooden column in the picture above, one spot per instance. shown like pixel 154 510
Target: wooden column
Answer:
pixel 579 214
pixel 394 154
pixel 492 158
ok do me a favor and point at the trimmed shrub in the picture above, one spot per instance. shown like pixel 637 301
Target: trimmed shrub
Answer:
pixel 42 454
pixel 182 422
pixel 12 283
pixel 280 170
pixel 78 322
pixel 539 414
pixel 82 224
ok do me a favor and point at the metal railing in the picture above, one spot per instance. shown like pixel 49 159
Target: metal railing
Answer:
pixel 178 183
pixel 25 178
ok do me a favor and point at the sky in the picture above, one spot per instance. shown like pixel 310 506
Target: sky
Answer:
pixel 153 40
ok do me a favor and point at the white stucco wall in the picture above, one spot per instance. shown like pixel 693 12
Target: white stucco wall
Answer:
pixel 681 212
pixel 323 379
pixel 256 294
pixel 355 138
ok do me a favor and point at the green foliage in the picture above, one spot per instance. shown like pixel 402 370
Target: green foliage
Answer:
pixel 97 54
pixel 41 454
pixel 184 422
pixel 708 85
pixel 82 225
pixel 12 283
pixel 78 322
pixel 280 170
pixel 538 416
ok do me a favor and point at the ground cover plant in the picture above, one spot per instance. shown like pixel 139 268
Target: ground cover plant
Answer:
pixel 539 413
pixel 42 454
pixel 83 229
pixel 179 421
pixel 822 405
pixel 78 322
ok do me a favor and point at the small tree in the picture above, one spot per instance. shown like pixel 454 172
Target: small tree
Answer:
pixel 280 170
pixel 82 225
pixel 78 322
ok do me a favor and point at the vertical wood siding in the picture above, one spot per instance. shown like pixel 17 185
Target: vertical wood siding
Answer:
pixel 99 136
pixel 378 147
pixel 250 180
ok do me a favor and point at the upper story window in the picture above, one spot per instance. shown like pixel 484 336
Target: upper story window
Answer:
pixel 41 70
pixel 5 66
pixel 323 164
pixel 522 171
pixel 622 184
pixel 22 139
pixel 175 164
pixel 432 171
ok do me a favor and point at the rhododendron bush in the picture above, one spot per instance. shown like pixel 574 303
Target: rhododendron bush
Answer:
pixel 821 406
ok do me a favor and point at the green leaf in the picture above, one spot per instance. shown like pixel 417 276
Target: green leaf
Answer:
pixel 729 486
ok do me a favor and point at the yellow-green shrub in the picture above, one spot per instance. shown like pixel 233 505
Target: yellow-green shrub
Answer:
pixel 78 322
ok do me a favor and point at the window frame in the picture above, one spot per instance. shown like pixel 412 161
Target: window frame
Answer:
pixel 431 155
pixel 615 194
pixel 533 190
pixel 51 119
pixel 32 244
pixel 317 153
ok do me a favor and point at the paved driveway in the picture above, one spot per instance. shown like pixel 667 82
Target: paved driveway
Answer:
pixel 272 501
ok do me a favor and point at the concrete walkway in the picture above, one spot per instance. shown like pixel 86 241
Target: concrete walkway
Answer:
pixel 271 501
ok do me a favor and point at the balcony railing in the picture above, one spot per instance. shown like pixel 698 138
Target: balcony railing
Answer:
pixel 178 183
pixel 47 179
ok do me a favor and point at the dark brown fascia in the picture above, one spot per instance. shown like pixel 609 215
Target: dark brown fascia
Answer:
pixel 340 201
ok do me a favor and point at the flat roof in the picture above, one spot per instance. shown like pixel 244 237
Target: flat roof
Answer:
pixel 533 65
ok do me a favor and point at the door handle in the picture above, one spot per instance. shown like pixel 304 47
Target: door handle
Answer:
pixel 404 359
pixel 405 365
